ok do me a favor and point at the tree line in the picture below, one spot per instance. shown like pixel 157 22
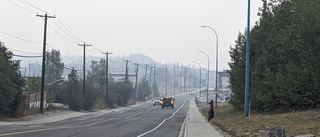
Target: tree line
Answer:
pixel 284 58
pixel 13 85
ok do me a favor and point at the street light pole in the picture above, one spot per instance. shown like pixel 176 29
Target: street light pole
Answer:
pixel 200 79
pixel 208 75
pixel 216 85
pixel 246 103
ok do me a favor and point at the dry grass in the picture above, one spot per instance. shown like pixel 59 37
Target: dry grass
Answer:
pixel 31 111
pixel 235 124
pixel 99 104
pixel 36 110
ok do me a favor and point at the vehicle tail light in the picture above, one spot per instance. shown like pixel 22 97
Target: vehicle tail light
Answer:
pixel 161 102
pixel 171 101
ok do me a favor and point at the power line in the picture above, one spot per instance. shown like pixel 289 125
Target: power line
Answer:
pixel 26 56
pixel 69 31
pixel 65 31
pixel 93 51
pixel 31 5
pixel 64 65
pixel 60 34
pixel 20 38
pixel 97 49
pixel 71 59
pixel 24 51
pixel 21 7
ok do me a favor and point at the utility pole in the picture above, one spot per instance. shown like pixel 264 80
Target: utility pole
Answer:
pixel 43 59
pixel 174 78
pixel 180 84
pixel 84 73
pixel 193 78
pixel 107 77
pixel 126 75
pixel 150 75
pixel 145 75
pixel 184 80
pixel 154 80
pixel 136 85
pixel 166 81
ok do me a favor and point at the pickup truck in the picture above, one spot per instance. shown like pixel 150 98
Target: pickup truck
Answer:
pixel 167 102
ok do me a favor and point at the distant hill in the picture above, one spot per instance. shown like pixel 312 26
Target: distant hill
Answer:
pixel 140 58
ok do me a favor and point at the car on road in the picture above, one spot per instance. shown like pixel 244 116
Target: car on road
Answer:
pixel 191 93
pixel 167 102
pixel 156 101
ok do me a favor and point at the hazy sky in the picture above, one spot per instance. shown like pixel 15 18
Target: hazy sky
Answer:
pixel 166 30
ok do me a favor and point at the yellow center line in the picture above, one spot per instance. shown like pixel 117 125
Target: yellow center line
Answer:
pixel 37 130
pixel 91 124
pixel 134 115
pixel 148 110
pixel 47 129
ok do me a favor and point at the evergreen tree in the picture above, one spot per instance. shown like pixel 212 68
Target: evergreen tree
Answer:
pixel 284 54
pixel 92 91
pixel 11 83
pixel 74 92
pixel 54 66
pixel 144 90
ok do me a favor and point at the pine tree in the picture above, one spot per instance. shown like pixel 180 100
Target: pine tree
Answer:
pixel 11 84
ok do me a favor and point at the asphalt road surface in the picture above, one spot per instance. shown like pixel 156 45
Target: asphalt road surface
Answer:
pixel 146 120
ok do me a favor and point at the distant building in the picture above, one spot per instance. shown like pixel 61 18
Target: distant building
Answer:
pixel 120 76
pixel 223 80
pixel 33 99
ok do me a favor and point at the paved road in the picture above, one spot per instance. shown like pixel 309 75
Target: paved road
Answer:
pixel 145 120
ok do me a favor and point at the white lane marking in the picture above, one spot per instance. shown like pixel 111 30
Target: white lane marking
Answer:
pixel 35 125
pixel 84 118
pixel 162 121
pixel 120 112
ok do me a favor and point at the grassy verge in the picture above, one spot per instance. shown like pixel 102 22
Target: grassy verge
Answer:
pixel 36 110
pixel 235 124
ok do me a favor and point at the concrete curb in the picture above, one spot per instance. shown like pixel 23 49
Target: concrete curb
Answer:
pixel 183 127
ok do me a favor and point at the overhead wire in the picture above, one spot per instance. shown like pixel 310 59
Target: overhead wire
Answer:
pixel 35 7
pixel 21 7
pixel 61 34
pixel 71 59
pixel 20 38
pixel 68 30
pixel 93 51
pixel 97 49
pixel 97 78
pixel 70 34
pixel 23 56
pixel 31 5
pixel 24 51
pixel 64 66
